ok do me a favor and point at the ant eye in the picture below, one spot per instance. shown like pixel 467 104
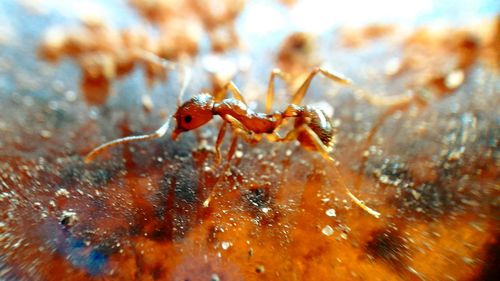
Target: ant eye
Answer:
pixel 188 118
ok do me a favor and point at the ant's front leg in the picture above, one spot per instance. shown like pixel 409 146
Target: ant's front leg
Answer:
pixel 233 89
pixel 241 130
pixel 232 147
pixel 270 88
pixel 238 130
pixel 218 143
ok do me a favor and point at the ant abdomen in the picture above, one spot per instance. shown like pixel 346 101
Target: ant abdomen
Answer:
pixel 320 124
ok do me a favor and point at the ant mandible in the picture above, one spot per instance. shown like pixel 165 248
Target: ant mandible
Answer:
pixel 312 128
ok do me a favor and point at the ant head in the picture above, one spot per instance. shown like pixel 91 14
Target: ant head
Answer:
pixel 194 113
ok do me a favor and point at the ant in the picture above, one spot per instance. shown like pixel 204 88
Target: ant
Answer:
pixel 312 128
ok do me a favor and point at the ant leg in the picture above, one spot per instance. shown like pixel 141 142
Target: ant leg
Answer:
pixel 157 134
pixel 233 89
pixel 323 150
pixel 371 134
pixel 270 88
pixel 241 130
pixel 220 137
pixel 232 148
pixel 301 92
pixel 274 137
pixel 238 129
pixel 397 101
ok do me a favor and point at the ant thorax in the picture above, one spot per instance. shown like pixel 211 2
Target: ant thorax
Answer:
pixel 256 122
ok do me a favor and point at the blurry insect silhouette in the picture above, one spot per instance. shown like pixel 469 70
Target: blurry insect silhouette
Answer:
pixel 312 128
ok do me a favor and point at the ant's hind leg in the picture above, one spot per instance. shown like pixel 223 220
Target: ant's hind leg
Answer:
pixel 322 149
pixel 270 88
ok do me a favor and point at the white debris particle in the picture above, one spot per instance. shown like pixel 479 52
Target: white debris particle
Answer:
pixel 288 152
pixel 70 96
pixel 415 194
pixel 225 245
pixel 62 192
pixel 17 244
pixel 384 179
pixel 93 113
pixel 214 277
pixel 147 103
pixel 470 202
pixel 392 67
pixel 456 154
pixel 238 154
pixel 366 153
pixel 45 134
pixel 331 213
pixel 468 260
pixel 454 79
pixel 327 230
pixel 265 210
pixel 260 269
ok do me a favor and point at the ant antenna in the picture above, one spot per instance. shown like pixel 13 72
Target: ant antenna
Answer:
pixel 169 65
pixel 157 134
pixel 160 132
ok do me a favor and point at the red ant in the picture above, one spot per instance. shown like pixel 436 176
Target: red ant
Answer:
pixel 312 128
